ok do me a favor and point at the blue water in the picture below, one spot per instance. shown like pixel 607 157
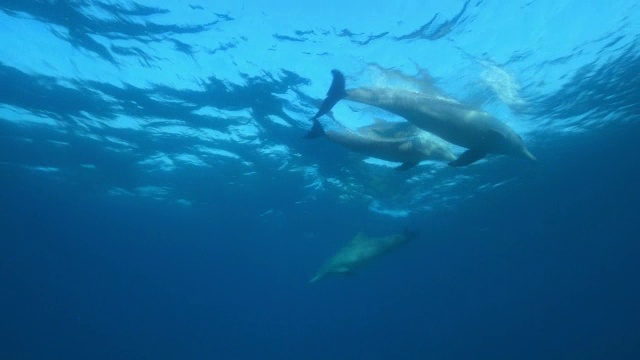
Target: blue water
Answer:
pixel 160 202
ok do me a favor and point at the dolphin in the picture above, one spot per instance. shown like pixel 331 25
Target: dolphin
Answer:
pixel 359 251
pixel 408 150
pixel 475 130
pixel 391 129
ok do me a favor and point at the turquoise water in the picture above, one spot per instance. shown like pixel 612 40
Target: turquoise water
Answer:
pixel 160 199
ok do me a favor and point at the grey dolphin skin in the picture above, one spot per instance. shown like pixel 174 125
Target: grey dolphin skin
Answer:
pixel 475 130
pixel 391 129
pixel 360 251
pixel 409 150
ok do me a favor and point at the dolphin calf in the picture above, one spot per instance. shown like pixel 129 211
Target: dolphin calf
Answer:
pixel 391 129
pixel 475 130
pixel 359 251
pixel 408 150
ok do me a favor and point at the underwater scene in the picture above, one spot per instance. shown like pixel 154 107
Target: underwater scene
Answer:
pixel 319 180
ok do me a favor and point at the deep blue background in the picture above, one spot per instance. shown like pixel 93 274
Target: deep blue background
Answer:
pixel 545 268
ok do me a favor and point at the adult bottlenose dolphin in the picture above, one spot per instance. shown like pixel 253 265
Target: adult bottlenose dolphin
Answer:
pixel 475 130
pixel 408 150
pixel 359 251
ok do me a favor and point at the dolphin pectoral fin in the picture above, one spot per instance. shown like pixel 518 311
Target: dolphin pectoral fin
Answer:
pixel 496 134
pixel 468 157
pixel 336 93
pixel 316 278
pixel 498 138
pixel 406 165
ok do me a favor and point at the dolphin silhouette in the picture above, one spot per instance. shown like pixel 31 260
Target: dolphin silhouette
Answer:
pixel 360 251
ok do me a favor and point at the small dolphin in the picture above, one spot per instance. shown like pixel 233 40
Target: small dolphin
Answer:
pixel 409 150
pixel 475 130
pixel 359 251
pixel 391 129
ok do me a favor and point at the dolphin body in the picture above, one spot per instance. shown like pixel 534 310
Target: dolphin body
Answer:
pixel 391 129
pixel 475 130
pixel 360 251
pixel 408 150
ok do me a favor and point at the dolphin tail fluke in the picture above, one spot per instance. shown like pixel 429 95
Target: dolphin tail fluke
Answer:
pixel 336 93
pixel 316 130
